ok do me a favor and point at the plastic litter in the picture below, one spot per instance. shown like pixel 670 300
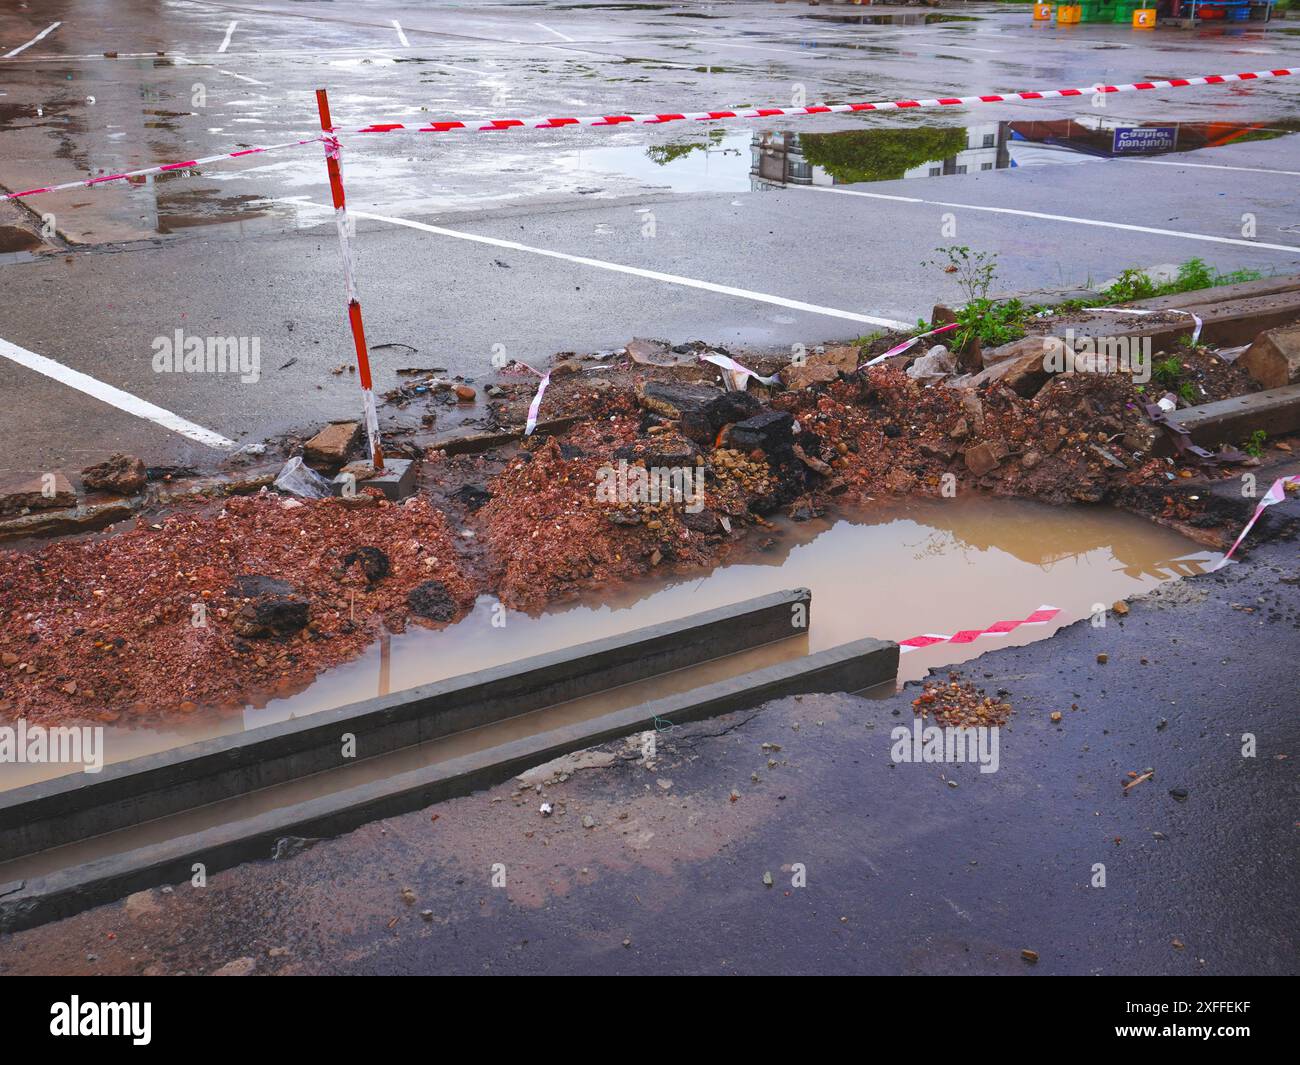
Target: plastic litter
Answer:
pixel 935 364
pixel 299 479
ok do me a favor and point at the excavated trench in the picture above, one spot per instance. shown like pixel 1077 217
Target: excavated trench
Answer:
pixel 908 568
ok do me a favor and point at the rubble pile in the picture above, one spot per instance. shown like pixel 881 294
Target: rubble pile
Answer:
pixel 955 703
pixel 645 458
pixel 205 610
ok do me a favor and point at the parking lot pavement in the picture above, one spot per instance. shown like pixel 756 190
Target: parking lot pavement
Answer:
pixel 551 241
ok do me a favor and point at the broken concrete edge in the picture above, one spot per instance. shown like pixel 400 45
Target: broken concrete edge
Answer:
pixel 396 481
pixel 79 519
pixel 850 667
pixel 1224 322
pixel 471 442
pixel 1275 412
pixel 72 807
pixel 1264 286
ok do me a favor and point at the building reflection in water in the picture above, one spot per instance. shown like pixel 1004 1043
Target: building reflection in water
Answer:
pixel 891 154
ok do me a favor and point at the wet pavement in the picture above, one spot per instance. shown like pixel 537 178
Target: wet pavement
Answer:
pixel 532 243
pixel 546 241
pixel 905 868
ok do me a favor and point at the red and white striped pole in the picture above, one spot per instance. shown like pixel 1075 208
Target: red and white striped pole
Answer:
pixel 335 168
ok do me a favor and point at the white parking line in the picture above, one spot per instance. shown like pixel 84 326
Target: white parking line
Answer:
pixel 400 35
pixel 1214 166
pixel 557 33
pixel 39 37
pixel 219 70
pixel 229 31
pixel 1058 218
pixel 807 53
pixel 635 271
pixel 114 397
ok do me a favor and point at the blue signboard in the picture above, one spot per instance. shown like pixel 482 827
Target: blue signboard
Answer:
pixel 1133 140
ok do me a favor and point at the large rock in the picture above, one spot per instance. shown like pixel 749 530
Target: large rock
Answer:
pixel 35 491
pixel 984 457
pixel 654 353
pixel 330 448
pixel 1014 350
pixel 1274 358
pixel 772 431
pixel 1024 373
pixel 272 615
pixel 802 375
pixel 432 600
pixel 821 366
pixel 122 474
pixel 700 410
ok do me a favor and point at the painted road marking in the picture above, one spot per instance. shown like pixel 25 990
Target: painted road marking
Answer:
pixel 39 37
pixel 635 271
pixel 400 35
pixel 226 43
pixel 1058 218
pixel 563 37
pixel 806 54
pixel 220 70
pixel 114 397
pixel 1214 166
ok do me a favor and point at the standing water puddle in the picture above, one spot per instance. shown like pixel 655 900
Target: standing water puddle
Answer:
pixel 919 568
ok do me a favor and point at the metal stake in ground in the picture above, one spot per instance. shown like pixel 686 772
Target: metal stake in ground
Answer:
pixel 334 166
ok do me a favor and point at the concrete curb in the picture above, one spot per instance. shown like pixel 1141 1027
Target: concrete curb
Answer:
pixel 75 807
pixel 850 667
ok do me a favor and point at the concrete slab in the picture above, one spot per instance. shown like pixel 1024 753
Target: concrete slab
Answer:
pixel 850 667
pixel 397 481
pixel 71 808
pixel 1275 411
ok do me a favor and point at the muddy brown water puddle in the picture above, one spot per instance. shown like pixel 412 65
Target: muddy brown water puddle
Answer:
pixel 912 569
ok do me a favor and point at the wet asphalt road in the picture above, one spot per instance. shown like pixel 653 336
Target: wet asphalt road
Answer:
pixel 241 250
pixel 904 873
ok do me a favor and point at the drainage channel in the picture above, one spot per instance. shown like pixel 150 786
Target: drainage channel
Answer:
pixel 404 760
pixel 214 804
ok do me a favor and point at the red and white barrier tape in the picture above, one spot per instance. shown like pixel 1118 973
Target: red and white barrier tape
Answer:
pixel 1040 616
pixel 85 184
pixel 496 125
pixel 499 124
pixel 1275 494
pixel 898 349
pixel 536 405
pixel 334 168
pixel 731 364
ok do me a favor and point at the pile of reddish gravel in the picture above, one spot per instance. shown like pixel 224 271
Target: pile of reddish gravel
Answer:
pixel 956 703
pixel 105 630
pixel 549 536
